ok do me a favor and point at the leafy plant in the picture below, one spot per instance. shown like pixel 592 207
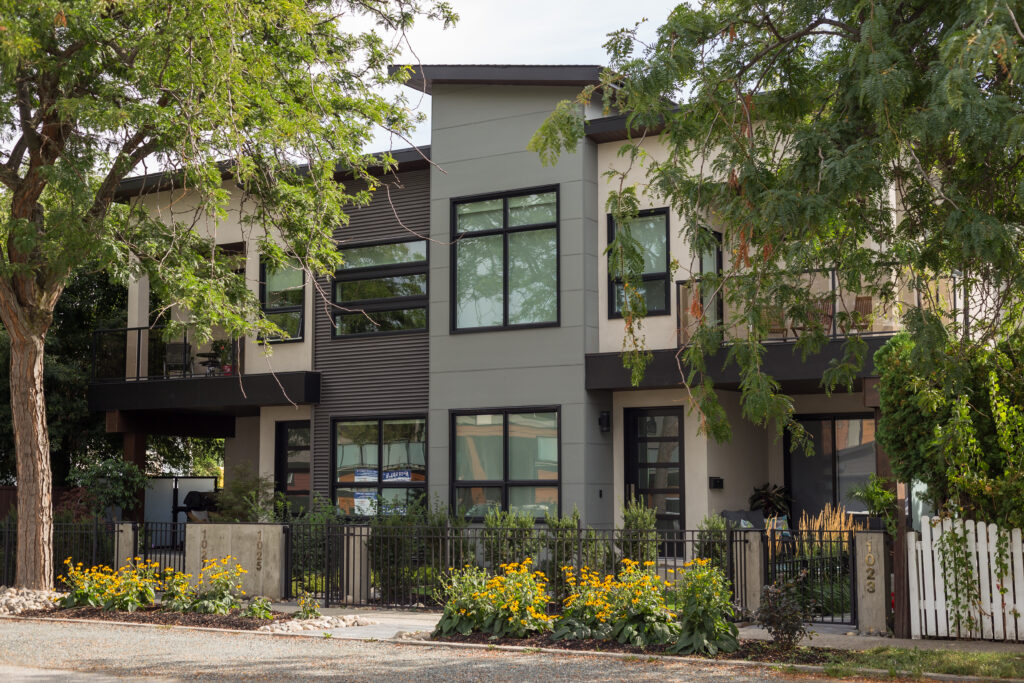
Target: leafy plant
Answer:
pixel 309 608
pixel 508 536
pixel 217 589
pixel 702 599
pixel 512 604
pixel 880 499
pixel 771 499
pixel 629 607
pixel 112 482
pixel 125 589
pixel 713 540
pixel 247 497
pixel 785 610
pixel 258 608
pixel 639 533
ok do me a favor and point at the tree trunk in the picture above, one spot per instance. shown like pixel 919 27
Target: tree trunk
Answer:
pixel 32 447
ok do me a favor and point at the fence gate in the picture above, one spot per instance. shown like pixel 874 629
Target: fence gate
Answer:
pixel 162 542
pixel 828 558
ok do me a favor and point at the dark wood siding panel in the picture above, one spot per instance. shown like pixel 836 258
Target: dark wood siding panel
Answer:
pixel 371 376
pixel 399 211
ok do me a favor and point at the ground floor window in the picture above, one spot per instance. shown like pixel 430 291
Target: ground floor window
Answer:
pixel 843 459
pixel 379 462
pixel 293 474
pixel 507 459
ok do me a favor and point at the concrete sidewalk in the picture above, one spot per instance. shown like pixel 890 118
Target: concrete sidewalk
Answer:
pixel 391 622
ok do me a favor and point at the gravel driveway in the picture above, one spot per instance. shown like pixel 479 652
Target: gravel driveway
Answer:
pixel 178 654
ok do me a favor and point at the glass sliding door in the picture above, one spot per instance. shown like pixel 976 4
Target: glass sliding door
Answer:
pixel 843 459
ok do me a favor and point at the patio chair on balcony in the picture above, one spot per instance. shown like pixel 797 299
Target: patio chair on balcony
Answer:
pixel 777 323
pixel 178 359
pixel 823 312
pixel 862 309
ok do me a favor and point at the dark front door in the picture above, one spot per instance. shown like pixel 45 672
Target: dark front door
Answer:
pixel 654 462
pixel 292 455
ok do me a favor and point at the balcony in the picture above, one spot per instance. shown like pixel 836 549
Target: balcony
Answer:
pixel 143 369
pixel 837 313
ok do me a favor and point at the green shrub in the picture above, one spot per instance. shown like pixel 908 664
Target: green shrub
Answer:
pixel 509 536
pixel 217 591
pixel 126 589
pixel 511 604
pixel 247 497
pixel 712 540
pixel 629 607
pixel 702 599
pixel 638 538
pixel 785 611
pixel 258 608
pixel 112 482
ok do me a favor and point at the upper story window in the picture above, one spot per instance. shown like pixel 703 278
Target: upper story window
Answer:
pixel 650 231
pixel 283 296
pixel 711 262
pixel 505 260
pixel 381 288
pixel 506 459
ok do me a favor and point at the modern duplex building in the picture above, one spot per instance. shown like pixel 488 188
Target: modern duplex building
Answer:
pixel 469 348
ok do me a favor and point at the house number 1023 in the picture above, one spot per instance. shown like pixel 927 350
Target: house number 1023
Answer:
pixel 869 569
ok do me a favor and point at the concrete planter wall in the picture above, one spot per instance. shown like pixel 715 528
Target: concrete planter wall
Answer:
pixel 259 548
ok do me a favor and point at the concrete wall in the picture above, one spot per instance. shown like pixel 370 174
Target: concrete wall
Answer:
pixel 242 451
pixel 259 548
pixel 479 138
pixel 742 462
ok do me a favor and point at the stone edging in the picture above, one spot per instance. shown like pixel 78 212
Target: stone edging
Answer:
pixel 807 668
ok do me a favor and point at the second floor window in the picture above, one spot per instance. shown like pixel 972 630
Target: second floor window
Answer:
pixel 382 288
pixel 283 296
pixel 505 260
pixel 650 231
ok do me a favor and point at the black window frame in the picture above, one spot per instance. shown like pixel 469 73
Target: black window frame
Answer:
pixel 370 306
pixel 504 231
pixel 665 276
pixel 788 455
pixel 380 486
pixel 281 449
pixel 505 483
pixel 719 299
pixel 300 309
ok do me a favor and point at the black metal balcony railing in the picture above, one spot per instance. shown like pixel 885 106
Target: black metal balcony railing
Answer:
pixel 837 312
pixel 141 353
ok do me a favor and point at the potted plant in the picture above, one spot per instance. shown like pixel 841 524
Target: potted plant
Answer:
pixel 223 349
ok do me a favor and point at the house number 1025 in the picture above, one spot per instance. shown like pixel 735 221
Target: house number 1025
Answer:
pixel 869 569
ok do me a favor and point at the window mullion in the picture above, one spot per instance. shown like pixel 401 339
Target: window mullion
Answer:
pixel 504 265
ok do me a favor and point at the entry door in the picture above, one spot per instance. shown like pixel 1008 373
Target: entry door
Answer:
pixel 654 462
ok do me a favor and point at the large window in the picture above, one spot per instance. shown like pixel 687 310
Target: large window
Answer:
pixel 283 295
pixel 843 459
pixel 379 459
pixel 381 288
pixel 650 231
pixel 506 459
pixel 711 262
pixel 505 260
pixel 293 472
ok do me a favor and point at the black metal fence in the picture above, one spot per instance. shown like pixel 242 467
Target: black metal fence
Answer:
pixel 400 565
pixel 91 543
pixel 828 558
pixel 162 542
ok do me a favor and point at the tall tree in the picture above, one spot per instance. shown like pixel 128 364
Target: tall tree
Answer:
pixel 272 96
pixel 879 138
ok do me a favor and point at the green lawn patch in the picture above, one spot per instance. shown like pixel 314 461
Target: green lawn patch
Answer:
pixel 904 662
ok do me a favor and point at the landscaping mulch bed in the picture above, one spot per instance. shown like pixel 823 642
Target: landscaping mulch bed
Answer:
pixel 154 615
pixel 749 650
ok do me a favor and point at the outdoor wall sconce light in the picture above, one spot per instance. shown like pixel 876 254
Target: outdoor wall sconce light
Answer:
pixel 716 483
pixel 604 421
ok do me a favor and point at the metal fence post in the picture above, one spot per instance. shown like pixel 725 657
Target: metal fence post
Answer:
pixel 327 565
pixel 287 588
pixel 95 537
pixel 579 546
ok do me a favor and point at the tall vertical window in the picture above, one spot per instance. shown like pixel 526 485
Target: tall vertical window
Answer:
pixel 379 460
pixel 381 288
pixel 506 459
pixel 843 459
pixel 650 231
pixel 505 260
pixel 711 262
pixel 293 473
pixel 283 295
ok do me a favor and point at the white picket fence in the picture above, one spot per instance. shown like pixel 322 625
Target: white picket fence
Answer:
pixel 997 614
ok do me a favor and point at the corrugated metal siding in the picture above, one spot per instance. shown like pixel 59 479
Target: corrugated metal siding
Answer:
pixel 371 376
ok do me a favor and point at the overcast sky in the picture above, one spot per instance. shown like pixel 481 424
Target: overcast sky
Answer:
pixel 524 32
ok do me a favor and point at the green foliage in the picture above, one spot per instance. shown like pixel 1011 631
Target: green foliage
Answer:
pixel 712 540
pixel 785 610
pixel 703 601
pixel 217 589
pixel 258 608
pixel 773 500
pixel 125 589
pixel 309 608
pixel 509 536
pixel 512 603
pixel 952 419
pixel 247 497
pixel 111 482
pixel 807 138
pixel 879 496
pixel 639 535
